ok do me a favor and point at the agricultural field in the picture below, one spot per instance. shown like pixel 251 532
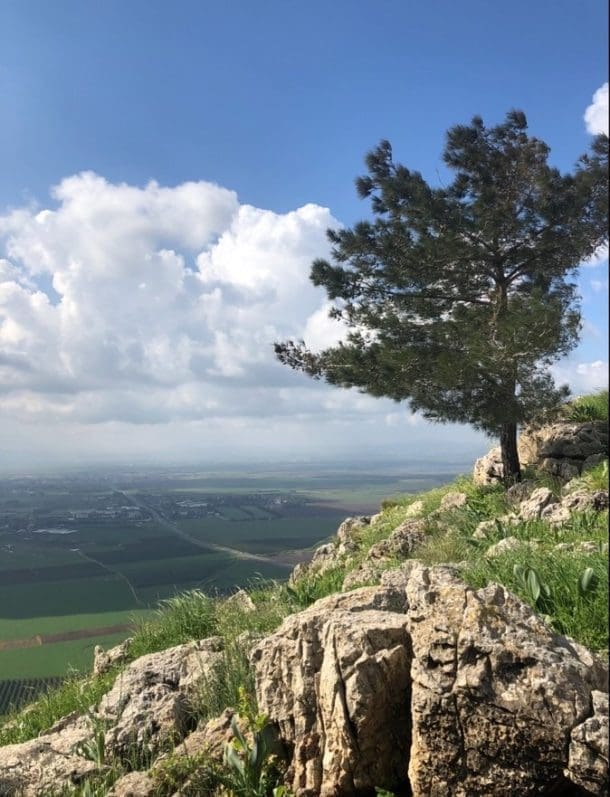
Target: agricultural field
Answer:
pixel 85 557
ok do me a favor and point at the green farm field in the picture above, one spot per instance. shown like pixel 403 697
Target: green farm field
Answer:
pixel 56 624
pixel 84 558
pixel 58 659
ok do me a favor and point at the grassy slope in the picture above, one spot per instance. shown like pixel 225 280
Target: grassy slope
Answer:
pixel 577 611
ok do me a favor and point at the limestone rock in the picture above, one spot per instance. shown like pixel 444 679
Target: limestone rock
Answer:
pixel 453 501
pixel 469 691
pixel 564 469
pixel 365 574
pixel 486 672
pixel 584 501
pixel 519 492
pixel 351 525
pixel 555 514
pixel 588 760
pixel 331 681
pixel 415 509
pixel 507 544
pixel 564 440
pixel 401 542
pixel 104 660
pixel 210 739
pixel 487 528
pixel 242 601
pixel 531 509
pixel 398 577
pixel 488 469
pixel 562 448
pixel 49 763
pixel 134 784
pixel 592 461
pixel 587 546
pixel 149 701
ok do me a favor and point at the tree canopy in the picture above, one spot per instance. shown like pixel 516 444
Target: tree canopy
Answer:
pixel 458 298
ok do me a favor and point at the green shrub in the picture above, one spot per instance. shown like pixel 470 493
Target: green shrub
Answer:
pixel 593 407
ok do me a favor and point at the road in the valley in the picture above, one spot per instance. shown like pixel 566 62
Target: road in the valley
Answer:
pixel 206 546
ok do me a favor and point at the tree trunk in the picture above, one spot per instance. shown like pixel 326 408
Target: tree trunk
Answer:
pixel 510 456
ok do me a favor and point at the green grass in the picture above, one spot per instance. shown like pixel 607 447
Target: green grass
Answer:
pixel 191 615
pixel 75 694
pixel 594 479
pixel 582 617
pixel 312 586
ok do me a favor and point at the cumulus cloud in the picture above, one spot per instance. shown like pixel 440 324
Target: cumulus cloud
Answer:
pixel 145 304
pixel 596 114
pixel 582 377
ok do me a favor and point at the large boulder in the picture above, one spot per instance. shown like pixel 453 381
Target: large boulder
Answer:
pixel 495 694
pixel 563 449
pixel 330 678
pixel 426 686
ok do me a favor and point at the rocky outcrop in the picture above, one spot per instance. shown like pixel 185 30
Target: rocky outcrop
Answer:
pixel 332 554
pixel 564 449
pixel 330 678
pixel 105 660
pixel 43 765
pixel 467 691
pixel 148 706
pixel 452 501
pixel 532 507
pixel 588 758
pixel 149 703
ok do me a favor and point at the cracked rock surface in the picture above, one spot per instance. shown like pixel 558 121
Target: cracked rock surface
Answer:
pixel 433 687
pixel 35 768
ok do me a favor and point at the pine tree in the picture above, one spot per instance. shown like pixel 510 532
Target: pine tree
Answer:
pixel 458 298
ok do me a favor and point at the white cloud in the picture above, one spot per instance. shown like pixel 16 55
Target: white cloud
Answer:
pixel 582 377
pixel 599 286
pixel 146 304
pixel 596 115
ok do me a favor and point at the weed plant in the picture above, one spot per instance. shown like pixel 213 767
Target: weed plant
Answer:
pixel 313 586
pixel 231 677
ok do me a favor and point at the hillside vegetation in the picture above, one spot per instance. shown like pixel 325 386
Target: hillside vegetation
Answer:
pixel 561 570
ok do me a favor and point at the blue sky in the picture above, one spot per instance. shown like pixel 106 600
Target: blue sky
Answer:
pixel 276 103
